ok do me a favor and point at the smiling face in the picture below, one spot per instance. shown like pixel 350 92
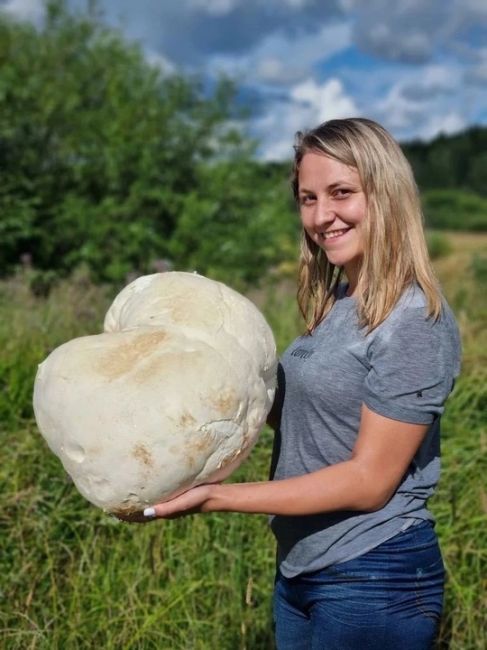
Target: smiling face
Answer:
pixel 332 205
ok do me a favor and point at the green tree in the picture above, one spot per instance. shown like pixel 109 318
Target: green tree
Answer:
pixel 477 173
pixel 99 150
pixel 455 161
pixel 238 225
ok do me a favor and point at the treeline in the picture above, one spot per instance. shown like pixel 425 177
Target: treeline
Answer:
pixel 451 162
pixel 110 163
pixel 451 172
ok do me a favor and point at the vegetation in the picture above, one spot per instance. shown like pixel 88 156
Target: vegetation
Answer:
pixel 108 162
pixel 455 210
pixel 74 577
pixel 451 162
pixel 438 244
pixel 112 167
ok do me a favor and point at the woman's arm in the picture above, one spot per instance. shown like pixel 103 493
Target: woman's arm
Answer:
pixel 382 453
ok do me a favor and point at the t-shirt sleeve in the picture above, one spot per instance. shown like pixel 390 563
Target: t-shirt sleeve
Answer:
pixel 413 365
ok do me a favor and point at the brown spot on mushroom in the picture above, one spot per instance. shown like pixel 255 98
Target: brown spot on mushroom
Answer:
pixel 165 364
pixel 122 358
pixel 203 443
pixel 226 404
pixel 142 454
pixel 186 420
pixel 199 446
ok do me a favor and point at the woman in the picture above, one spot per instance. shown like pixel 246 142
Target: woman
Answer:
pixel 358 408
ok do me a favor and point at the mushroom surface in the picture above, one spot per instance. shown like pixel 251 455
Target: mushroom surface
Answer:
pixel 171 395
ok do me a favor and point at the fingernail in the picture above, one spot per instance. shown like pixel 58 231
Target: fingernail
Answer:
pixel 149 512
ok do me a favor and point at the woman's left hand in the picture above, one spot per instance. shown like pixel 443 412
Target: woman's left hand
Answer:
pixel 188 503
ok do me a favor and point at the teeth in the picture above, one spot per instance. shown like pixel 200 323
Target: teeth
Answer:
pixel 334 233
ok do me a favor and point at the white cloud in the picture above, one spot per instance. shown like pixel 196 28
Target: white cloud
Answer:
pixel 32 10
pixel 382 38
pixel 285 59
pixel 309 104
pixel 423 102
pixel 325 101
pixel 281 59
pixel 476 7
pixel 214 7
pixel 396 111
pixel 296 4
pixel 161 62
pixel 476 74
pixel 414 30
pixel 432 80
pixel 222 7
pixel 446 124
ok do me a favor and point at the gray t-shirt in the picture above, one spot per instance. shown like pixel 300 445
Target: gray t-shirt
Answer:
pixel 403 370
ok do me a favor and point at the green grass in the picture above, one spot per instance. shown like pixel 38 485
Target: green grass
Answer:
pixel 72 577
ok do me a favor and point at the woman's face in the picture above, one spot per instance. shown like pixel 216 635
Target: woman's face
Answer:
pixel 332 206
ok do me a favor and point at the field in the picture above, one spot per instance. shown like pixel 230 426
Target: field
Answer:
pixel 72 577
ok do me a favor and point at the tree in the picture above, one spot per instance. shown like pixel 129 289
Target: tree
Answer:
pixel 455 161
pixel 238 225
pixel 99 150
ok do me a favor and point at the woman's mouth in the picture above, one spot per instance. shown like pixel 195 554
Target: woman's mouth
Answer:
pixel 333 234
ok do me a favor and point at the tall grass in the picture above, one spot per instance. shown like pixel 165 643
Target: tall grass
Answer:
pixel 72 577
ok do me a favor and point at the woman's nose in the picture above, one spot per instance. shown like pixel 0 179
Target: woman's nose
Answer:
pixel 324 213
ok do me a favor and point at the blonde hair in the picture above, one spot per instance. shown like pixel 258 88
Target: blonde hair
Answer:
pixel 395 251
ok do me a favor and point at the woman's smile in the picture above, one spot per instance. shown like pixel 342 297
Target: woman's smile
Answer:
pixel 331 236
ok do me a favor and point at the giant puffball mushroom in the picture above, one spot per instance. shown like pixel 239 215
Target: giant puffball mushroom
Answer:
pixel 173 394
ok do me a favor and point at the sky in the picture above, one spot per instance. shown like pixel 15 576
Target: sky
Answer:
pixel 419 67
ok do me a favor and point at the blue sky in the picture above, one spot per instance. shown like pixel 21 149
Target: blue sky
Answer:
pixel 417 66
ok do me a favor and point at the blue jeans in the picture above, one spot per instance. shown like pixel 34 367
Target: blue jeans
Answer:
pixel 388 599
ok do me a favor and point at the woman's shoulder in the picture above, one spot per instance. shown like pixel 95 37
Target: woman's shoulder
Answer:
pixel 414 359
pixel 412 297
pixel 410 319
pixel 413 306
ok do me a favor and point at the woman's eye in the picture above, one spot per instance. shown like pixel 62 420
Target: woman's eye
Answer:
pixel 342 193
pixel 306 199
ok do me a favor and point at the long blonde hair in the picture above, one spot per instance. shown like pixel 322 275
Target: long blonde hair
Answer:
pixel 395 252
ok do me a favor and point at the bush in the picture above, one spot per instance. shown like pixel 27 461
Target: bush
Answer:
pixel 479 268
pixel 455 210
pixel 438 245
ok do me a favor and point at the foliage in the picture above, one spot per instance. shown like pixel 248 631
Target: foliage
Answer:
pixel 233 230
pixel 479 268
pixel 110 162
pixel 438 245
pixel 454 161
pixel 38 323
pixel 455 210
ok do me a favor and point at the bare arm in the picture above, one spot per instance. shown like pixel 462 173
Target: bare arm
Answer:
pixel 382 453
